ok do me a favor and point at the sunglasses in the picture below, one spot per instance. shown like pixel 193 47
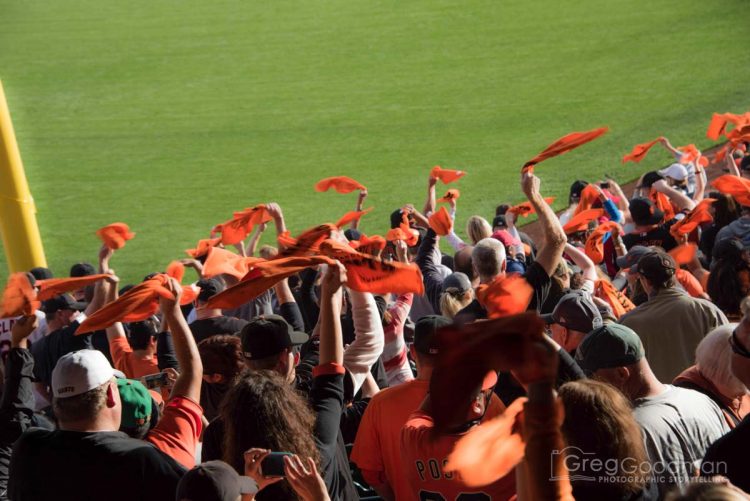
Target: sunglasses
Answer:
pixel 737 348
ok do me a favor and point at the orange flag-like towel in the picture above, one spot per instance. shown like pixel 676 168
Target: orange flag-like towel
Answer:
pixel 689 153
pixel 239 227
pixel 580 222
pixel 525 209
pixel 563 145
pixel 589 195
pixel 137 304
pixel 115 235
pixel 340 184
pixel 201 249
pixel 640 151
pixel 367 244
pixel 719 121
pixel 224 262
pixel 506 295
pixel 452 194
pixel 684 254
pixel 19 297
pixel 52 287
pixel 595 243
pixel 352 216
pixel 662 202
pixel 446 176
pixel 732 185
pixel 467 353
pixel 262 277
pixel 618 301
pixel 441 222
pixel 307 243
pixel 367 273
pixel 490 450
pixel 699 214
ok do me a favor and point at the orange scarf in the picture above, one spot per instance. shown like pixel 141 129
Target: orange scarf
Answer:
pixel 563 145
pixel 341 184
pixel 640 151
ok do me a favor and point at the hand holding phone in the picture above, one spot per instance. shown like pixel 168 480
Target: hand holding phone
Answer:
pixel 273 464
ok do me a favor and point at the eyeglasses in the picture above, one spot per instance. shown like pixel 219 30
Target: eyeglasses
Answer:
pixel 737 346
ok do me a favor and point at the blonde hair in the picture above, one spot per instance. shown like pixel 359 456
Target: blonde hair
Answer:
pixel 452 301
pixel 478 228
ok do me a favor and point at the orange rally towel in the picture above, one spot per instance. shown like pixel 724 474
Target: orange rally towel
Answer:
pixel 135 305
pixel 719 121
pixel 307 243
pixel 201 249
pixel 176 270
pixel 589 195
pixel 19 297
pixel 506 295
pixel 367 273
pixel 721 153
pixel 732 185
pixel 619 302
pixel 239 227
pixel 699 214
pixel 525 209
pixel 490 450
pixel 662 202
pixel 52 287
pixel 115 235
pixel 446 175
pixel 262 277
pixel 441 222
pixel 340 184
pixel 352 216
pixel 467 353
pixel 640 151
pixel 689 153
pixel 368 244
pixel 224 262
pixel 412 235
pixel 580 222
pixel 684 254
pixel 595 243
pixel 563 145
pixel 452 194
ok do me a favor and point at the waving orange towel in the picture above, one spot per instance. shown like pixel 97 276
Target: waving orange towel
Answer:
pixel 340 184
pixel 242 223
pixel 446 176
pixel 352 216
pixel 367 273
pixel 595 243
pixel 19 297
pixel 135 305
pixel 699 214
pixel 719 121
pixel 525 209
pixel 467 353
pixel 662 202
pixel 640 151
pixel 262 277
pixel 441 222
pixel 563 145
pixel 619 302
pixel 738 187
pixel 506 295
pixel 307 243
pixel 580 222
pixel 367 244
pixel 52 287
pixel 689 153
pixel 201 249
pixel 115 235
pixel 589 195
pixel 684 254
pixel 224 262
pixel 452 194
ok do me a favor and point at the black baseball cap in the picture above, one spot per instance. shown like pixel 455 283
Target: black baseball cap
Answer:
pixel 609 346
pixel 41 273
pixel 644 212
pixel 210 481
pixel 425 340
pixel 396 218
pixel 62 302
pixel 650 178
pixel 577 188
pixel 269 335
pixel 82 270
pixel 576 311
pixel 656 266
pixel 209 288
pixel 499 221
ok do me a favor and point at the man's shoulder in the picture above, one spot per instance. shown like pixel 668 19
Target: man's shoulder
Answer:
pixel 405 393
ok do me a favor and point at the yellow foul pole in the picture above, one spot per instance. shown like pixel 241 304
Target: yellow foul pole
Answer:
pixel 21 239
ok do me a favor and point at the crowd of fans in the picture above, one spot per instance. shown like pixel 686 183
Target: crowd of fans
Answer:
pixel 608 358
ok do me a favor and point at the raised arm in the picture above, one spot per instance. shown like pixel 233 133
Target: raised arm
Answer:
pixel 331 337
pixel 429 205
pixel 360 202
pixel 278 217
pixel 682 201
pixel 252 245
pixel 668 146
pixel 368 337
pixel 554 237
pixel 581 260
pixel 188 383
pixel 101 288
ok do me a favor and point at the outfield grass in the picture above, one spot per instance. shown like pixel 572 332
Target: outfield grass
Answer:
pixel 169 115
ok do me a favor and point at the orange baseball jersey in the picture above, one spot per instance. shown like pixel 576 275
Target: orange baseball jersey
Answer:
pixel 424 458
pixel 377 447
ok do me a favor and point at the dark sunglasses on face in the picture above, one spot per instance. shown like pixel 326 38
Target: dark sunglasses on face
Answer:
pixel 737 347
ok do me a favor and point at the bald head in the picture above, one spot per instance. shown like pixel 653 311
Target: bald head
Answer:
pixel 462 262
pixel 488 258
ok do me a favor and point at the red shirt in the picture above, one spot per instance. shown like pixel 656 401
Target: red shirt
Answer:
pixel 424 458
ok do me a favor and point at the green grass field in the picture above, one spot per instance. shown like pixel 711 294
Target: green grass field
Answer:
pixel 169 115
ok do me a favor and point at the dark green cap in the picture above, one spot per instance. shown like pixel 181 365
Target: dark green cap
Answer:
pixel 612 345
pixel 136 403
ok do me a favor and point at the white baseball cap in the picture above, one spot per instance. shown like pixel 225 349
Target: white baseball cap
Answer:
pixel 676 171
pixel 79 372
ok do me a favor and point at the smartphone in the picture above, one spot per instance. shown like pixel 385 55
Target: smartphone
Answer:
pixel 153 381
pixel 273 464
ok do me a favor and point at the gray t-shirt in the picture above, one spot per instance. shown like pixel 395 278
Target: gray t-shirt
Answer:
pixel 678 426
